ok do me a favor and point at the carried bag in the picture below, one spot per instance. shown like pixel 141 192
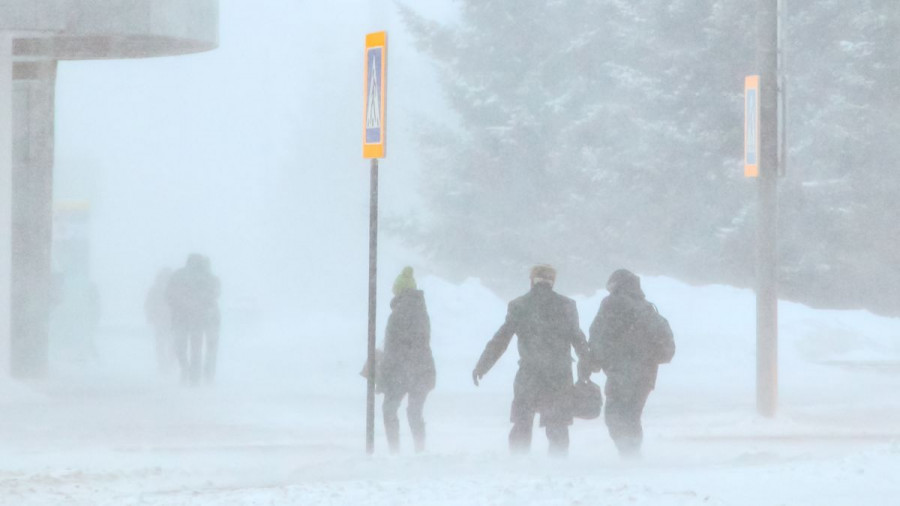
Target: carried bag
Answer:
pixel 587 400
pixel 379 355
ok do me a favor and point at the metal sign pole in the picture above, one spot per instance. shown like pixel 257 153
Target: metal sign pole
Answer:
pixel 767 266
pixel 373 271
pixel 374 95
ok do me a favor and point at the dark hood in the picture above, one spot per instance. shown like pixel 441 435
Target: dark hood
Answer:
pixel 625 282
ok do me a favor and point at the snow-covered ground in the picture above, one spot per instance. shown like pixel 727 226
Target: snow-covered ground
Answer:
pixel 284 424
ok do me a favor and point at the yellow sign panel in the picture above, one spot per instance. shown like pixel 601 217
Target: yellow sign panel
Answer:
pixel 751 126
pixel 375 94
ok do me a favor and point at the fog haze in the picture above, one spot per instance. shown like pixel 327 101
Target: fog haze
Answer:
pixel 592 135
pixel 250 154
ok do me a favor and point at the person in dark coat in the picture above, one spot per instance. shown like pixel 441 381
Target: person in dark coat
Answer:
pixel 407 366
pixel 623 357
pixel 546 324
pixel 159 316
pixel 192 294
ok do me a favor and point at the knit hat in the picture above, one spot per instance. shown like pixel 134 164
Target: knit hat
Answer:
pixel 405 281
pixel 543 273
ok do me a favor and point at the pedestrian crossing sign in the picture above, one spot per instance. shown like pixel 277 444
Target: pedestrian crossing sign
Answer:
pixel 375 93
pixel 751 126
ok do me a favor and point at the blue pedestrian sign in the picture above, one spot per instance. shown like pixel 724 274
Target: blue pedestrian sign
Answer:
pixel 751 126
pixel 375 95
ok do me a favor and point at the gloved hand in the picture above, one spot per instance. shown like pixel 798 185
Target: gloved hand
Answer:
pixel 476 377
pixel 584 371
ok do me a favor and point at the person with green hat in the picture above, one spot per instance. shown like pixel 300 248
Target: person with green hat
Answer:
pixel 405 281
pixel 408 364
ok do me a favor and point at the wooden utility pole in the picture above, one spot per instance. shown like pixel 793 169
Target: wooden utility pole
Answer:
pixel 767 266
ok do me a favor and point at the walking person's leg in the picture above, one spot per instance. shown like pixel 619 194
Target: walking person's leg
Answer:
pixel 415 414
pixel 169 357
pixel 615 414
pixel 212 350
pixel 635 409
pixel 520 434
pixel 389 409
pixel 624 406
pixel 180 341
pixel 162 349
pixel 555 406
pixel 195 355
pixel 558 437
pixel 522 413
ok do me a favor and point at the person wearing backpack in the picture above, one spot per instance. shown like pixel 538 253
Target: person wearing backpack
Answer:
pixel 407 365
pixel 628 341
pixel 546 324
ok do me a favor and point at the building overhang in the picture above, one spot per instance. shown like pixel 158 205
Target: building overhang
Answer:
pixel 109 29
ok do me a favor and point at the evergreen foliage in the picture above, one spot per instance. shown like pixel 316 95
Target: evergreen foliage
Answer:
pixel 598 134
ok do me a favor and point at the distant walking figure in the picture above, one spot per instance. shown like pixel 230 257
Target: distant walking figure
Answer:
pixel 407 366
pixel 628 340
pixel 210 356
pixel 547 326
pixel 193 294
pixel 159 316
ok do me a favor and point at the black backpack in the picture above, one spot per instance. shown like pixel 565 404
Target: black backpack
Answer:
pixel 652 335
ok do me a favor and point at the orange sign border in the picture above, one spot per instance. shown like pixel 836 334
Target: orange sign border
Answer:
pixel 751 83
pixel 375 40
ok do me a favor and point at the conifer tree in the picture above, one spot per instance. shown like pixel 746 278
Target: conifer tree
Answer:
pixel 597 134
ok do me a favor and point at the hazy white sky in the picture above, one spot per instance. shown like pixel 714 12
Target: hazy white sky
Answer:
pixel 250 153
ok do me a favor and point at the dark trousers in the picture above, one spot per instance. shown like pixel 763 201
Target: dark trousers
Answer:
pixel 212 350
pixel 196 349
pixel 520 437
pixel 187 349
pixel 625 402
pixel 541 391
pixel 165 348
pixel 415 408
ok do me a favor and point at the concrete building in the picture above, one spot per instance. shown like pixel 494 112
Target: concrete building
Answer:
pixel 34 36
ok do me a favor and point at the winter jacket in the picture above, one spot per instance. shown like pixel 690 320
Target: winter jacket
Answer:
pixel 546 324
pixel 408 364
pixel 193 296
pixel 614 347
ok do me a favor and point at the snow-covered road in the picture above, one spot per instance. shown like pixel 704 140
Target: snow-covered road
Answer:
pixel 285 425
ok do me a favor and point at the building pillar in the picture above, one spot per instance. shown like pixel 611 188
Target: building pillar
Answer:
pixel 6 86
pixel 47 31
pixel 34 84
